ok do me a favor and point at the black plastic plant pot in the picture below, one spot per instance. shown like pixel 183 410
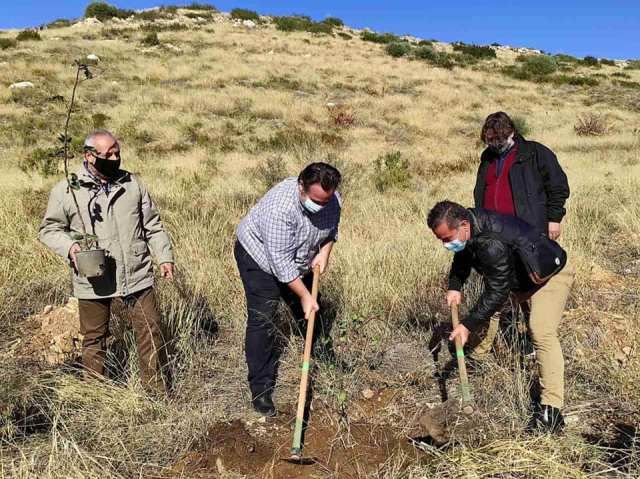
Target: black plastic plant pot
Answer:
pixel 91 263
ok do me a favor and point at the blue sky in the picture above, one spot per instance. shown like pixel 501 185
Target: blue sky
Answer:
pixel 608 28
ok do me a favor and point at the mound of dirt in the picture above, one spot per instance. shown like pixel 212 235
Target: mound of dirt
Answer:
pixel 55 334
pixel 340 448
pixel 402 363
pixel 449 421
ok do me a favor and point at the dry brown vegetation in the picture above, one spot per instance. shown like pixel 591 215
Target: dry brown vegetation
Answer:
pixel 210 118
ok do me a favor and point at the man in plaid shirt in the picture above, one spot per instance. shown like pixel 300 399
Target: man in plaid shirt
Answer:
pixel 290 231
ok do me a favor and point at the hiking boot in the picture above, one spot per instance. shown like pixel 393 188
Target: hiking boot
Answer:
pixel 546 419
pixel 263 404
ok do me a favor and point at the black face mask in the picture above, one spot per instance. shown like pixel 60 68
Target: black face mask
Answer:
pixel 107 168
pixel 494 149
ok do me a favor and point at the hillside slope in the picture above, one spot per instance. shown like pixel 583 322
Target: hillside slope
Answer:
pixel 211 117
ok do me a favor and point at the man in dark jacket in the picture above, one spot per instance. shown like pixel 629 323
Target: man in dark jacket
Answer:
pixel 473 235
pixel 520 178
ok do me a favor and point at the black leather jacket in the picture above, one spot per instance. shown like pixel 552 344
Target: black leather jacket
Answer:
pixel 538 184
pixel 496 261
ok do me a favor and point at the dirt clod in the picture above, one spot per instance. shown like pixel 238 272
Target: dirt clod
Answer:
pixel 55 334
pixel 448 421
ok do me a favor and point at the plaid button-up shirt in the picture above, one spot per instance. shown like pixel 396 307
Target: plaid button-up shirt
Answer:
pixel 281 236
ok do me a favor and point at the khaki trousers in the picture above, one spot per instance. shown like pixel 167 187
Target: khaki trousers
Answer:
pixel 547 305
pixel 145 319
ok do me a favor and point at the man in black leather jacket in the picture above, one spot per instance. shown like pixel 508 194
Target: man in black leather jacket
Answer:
pixel 474 236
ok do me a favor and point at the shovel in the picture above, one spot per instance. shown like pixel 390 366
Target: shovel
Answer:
pixel 296 449
pixel 462 368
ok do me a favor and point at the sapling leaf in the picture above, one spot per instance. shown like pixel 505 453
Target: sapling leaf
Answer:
pixel 77 235
pixel 73 181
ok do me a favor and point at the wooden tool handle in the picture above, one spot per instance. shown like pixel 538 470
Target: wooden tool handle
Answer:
pixel 306 359
pixel 462 368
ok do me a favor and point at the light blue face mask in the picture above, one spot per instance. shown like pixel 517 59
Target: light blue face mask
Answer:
pixel 311 206
pixel 455 246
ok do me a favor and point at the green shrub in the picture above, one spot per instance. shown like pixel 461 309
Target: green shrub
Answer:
pixel 391 171
pixel 621 75
pixel 60 23
pixel 425 43
pixel 476 51
pixel 606 61
pixel 344 36
pixel 540 65
pixel 437 59
pixel 333 21
pixel 320 27
pixel 521 125
pixel 151 15
pixel 41 160
pixel 573 80
pixel 99 120
pixel 269 172
pixel 425 52
pixel 633 65
pixel 200 6
pixel 379 37
pixel 158 28
pixel 103 11
pixel 627 84
pixel 301 24
pixel 590 61
pixel 533 67
pixel 151 40
pixel 28 35
pixel 302 141
pixel 561 57
pixel 464 60
pixel 7 43
pixel 398 49
pixel 244 14
pixel 444 61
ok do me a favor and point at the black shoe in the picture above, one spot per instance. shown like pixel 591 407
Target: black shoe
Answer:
pixel 547 419
pixel 263 404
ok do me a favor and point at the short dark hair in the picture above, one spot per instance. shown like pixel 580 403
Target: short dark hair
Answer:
pixel 323 173
pixel 499 122
pixel 447 211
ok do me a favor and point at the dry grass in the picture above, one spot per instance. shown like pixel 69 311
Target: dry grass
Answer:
pixel 197 125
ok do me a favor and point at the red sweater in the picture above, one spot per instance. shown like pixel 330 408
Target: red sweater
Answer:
pixel 497 193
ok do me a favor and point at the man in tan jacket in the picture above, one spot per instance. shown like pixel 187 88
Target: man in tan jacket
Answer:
pixel 118 211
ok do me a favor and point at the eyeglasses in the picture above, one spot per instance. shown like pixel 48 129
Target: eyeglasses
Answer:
pixel 115 155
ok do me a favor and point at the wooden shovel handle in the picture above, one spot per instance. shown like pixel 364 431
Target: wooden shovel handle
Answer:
pixel 306 358
pixel 462 368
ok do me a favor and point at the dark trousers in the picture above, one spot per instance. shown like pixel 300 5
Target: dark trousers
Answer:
pixel 264 341
pixel 143 313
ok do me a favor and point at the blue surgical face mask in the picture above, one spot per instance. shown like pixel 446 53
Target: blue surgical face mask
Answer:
pixel 311 206
pixel 455 246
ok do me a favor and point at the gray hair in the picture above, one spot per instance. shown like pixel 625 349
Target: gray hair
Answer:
pixel 90 140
